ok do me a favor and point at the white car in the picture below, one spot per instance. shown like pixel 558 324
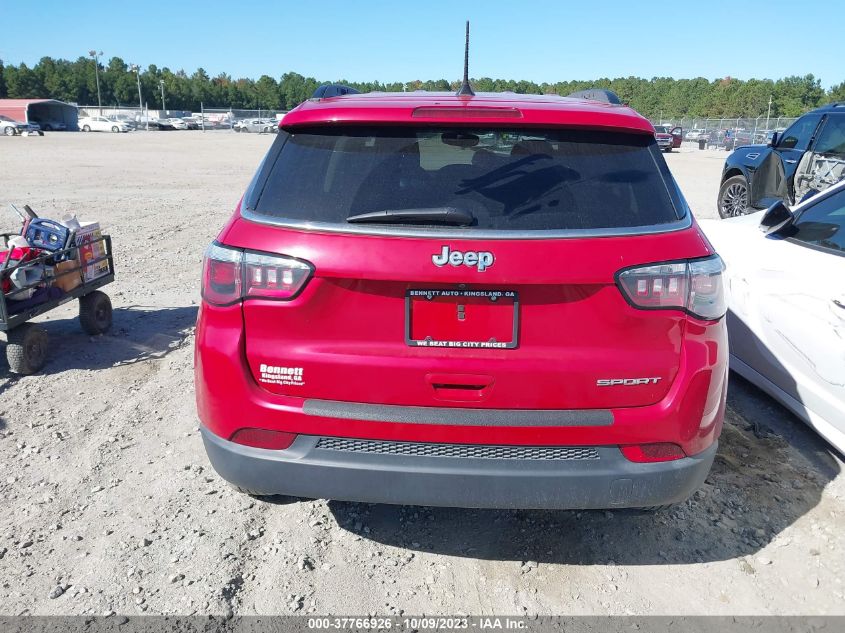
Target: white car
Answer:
pixel 261 126
pixel 102 124
pixel 697 134
pixel 786 318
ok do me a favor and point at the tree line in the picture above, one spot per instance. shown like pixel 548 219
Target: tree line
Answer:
pixel 664 97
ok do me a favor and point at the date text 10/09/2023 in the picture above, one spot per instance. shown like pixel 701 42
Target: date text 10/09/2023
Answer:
pixel 416 623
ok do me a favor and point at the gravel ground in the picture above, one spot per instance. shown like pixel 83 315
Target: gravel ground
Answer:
pixel 110 506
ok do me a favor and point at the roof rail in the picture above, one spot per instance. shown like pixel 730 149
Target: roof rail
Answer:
pixel 597 94
pixel 333 90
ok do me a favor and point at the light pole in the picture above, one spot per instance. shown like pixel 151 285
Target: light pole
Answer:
pixel 96 57
pixel 137 69
pixel 161 85
pixel 768 114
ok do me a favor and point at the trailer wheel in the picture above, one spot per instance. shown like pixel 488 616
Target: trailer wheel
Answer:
pixel 26 349
pixel 95 312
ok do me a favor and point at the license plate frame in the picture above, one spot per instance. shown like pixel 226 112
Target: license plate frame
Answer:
pixel 416 294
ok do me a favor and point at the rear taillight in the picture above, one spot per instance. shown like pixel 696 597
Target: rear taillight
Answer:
pixel 694 286
pixel 231 275
pixel 221 275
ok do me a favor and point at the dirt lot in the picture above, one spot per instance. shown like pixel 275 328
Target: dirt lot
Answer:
pixel 109 504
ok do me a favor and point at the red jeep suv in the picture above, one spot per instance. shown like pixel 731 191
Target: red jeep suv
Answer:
pixel 490 300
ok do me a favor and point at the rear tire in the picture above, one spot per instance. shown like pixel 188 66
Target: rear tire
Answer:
pixel 86 128
pixel 733 197
pixel 95 313
pixel 26 349
pixel 115 129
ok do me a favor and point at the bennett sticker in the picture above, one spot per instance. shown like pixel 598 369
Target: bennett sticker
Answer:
pixel 278 375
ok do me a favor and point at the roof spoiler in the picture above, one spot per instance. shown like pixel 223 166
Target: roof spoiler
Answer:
pixel 333 90
pixel 597 94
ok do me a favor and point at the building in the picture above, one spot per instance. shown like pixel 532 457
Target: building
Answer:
pixel 48 113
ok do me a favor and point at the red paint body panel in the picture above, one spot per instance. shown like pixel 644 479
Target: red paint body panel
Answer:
pixel 690 414
pixel 347 331
pixel 348 326
pixel 535 110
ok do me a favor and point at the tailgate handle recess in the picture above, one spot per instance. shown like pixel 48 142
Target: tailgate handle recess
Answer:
pixel 467 387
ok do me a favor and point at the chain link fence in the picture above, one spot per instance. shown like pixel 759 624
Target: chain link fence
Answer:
pixel 233 119
pixel 727 132
pixel 717 133
pixel 243 120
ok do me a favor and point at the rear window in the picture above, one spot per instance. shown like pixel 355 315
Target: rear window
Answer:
pixel 508 180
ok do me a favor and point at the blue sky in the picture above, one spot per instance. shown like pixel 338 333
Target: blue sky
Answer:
pixel 541 40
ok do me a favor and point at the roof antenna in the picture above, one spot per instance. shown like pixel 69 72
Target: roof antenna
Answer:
pixel 466 90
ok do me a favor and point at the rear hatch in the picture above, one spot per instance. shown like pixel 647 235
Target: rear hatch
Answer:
pixel 465 267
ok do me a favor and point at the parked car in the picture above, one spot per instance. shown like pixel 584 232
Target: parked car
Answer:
pixel 787 305
pixel 256 125
pixel 696 134
pixel 488 301
pixel 763 137
pixel 161 124
pixel 736 137
pixel 217 121
pixel 129 122
pixel 805 159
pixel 102 124
pixel 177 123
pixel 10 127
pixel 50 125
pixel 667 138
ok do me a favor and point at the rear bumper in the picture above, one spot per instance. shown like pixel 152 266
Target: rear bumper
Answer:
pixel 415 474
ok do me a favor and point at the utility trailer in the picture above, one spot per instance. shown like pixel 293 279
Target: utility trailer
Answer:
pixel 27 343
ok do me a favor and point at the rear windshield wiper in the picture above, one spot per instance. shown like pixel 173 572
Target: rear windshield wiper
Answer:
pixel 433 215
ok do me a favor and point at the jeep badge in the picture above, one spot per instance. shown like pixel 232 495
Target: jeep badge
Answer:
pixel 479 259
